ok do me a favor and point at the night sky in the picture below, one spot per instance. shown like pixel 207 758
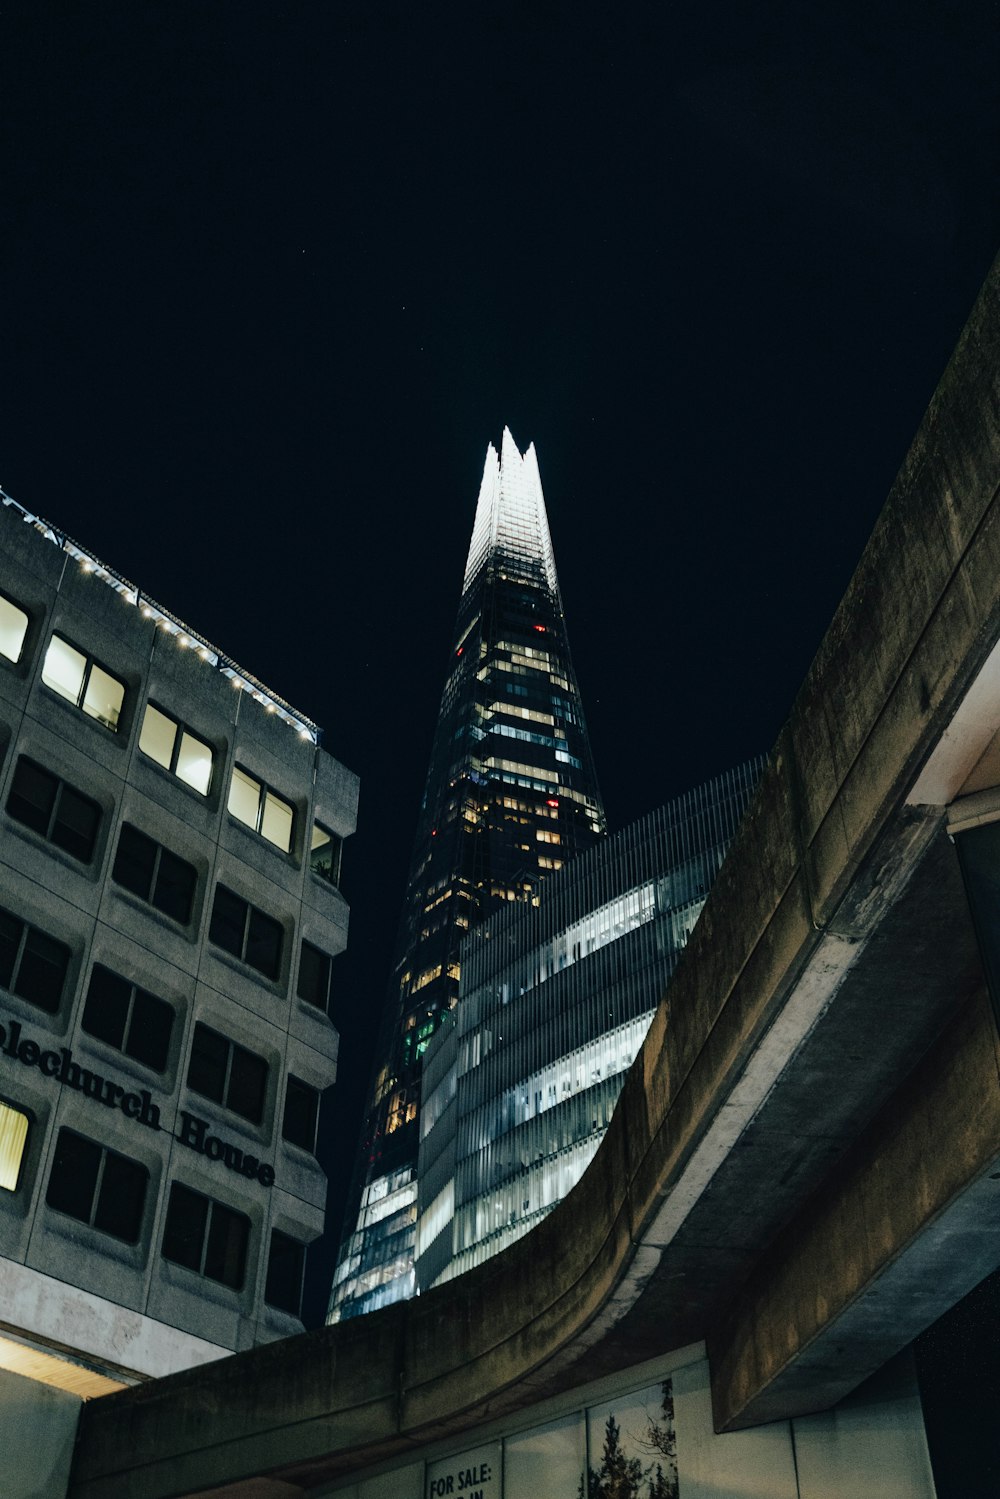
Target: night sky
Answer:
pixel 274 275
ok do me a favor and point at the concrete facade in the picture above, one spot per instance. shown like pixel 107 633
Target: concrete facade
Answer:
pixel 109 1295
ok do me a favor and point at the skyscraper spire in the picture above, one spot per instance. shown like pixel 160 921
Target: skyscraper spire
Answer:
pixel 511 794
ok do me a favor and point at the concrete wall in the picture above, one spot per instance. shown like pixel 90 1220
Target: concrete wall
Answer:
pixel 37 1433
pixel 872 1444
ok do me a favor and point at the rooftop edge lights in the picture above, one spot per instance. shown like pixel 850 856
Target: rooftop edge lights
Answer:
pixel 169 622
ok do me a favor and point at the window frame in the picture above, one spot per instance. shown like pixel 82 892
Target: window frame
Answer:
pixel 249 911
pixel 28 930
pixel 5 598
pixel 212 1206
pixel 280 1235
pixel 53 821
pixel 96 1205
pixel 336 860
pixel 235 1055
pixel 181 732
pixel 292 1082
pixel 10 1107
pixel 90 662
pixel 326 960
pixel 160 850
pixel 132 1006
pixel 264 792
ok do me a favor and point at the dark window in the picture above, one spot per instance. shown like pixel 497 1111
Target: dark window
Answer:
pixel 97 1186
pixel 301 1114
pixel 206 1237
pixel 227 1073
pixel 155 874
pixel 128 1018
pixel 57 811
pixel 245 932
pixel 32 965
pixel 285 1266
pixel 324 854
pixel 314 976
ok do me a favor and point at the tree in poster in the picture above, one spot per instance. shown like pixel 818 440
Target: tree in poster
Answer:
pixel 619 1476
pixel 662 1438
pixel 623 1477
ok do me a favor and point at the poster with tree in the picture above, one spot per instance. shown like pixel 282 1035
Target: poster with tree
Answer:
pixel 632 1447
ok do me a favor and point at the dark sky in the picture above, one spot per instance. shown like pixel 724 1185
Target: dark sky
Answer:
pixel 274 275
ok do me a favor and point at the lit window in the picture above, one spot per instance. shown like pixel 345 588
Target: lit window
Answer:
pixel 253 803
pixel 97 1186
pixel 301 1116
pixel 228 1074
pixel 13 1138
pixel 206 1237
pixel 247 933
pixel 314 977
pixel 174 747
pixel 13 628
pixel 32 965
pixel 155 874
pixel 324 854
pixel 80 680
pixel 128 1018
pixel 61 814
pixel 285 1269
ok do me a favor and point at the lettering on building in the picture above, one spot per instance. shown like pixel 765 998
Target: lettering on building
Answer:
pixel 191 1131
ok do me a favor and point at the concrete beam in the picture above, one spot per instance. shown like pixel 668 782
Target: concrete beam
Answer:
pixel 904 1227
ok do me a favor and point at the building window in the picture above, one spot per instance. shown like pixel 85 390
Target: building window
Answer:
pixel 174 747
pixel 60 813
pixel 13 628
pixel 314 977
pixel 324 854
pixel 128 1018
pixel 206 1237
pixel 286 1265
pixel 155 874
pixel 13 1139
pixel 247 933
pixel 32 965
pixel 228 1074
pixel 301 1114
pixel 255 804
pixel 97 1186
pixel 80 680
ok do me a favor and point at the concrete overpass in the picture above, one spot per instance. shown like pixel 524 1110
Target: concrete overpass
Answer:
pixel 804 1167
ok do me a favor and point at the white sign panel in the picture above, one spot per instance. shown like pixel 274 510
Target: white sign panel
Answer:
pixel 472 1475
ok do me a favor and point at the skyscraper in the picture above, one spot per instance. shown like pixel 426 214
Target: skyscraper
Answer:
pixel 519 1086
pixel 511 794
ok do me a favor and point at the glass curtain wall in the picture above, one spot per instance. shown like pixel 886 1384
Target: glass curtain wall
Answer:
pixel 511 796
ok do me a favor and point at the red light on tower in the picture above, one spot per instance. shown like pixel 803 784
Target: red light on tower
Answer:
pixel 551 801
pixel 539 627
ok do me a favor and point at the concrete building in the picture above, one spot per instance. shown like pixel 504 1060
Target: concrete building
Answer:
pixel 169 912
pixel 555 1000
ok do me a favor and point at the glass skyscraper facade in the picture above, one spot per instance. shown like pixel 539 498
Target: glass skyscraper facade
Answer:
pixel 511 795
pixel 556 999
